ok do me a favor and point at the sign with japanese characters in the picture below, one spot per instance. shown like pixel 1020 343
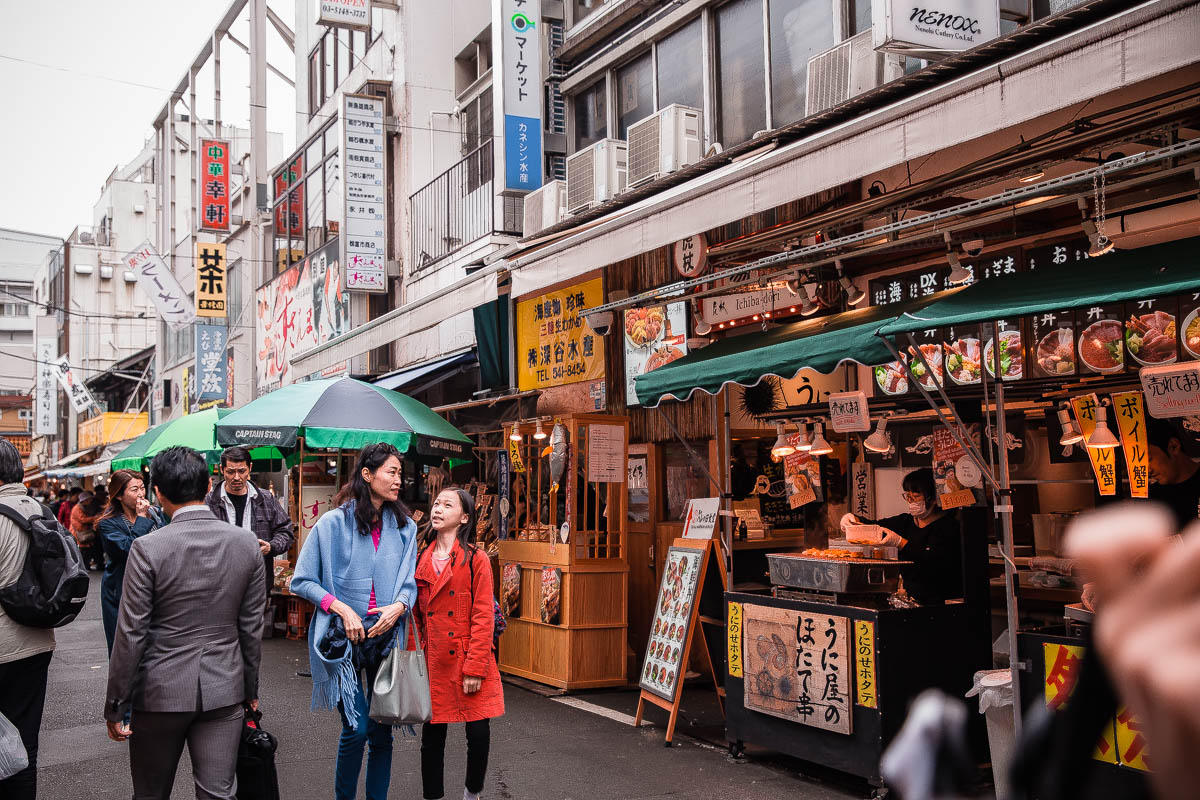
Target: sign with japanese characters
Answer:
pixel 160 286
pixel 364 232
pixel 798 666
pixel 300 309
pixel 953 489
pixel 862 490
pixel 729 307
pixel 211 377
pixel 345 13
pixel 1172 390
pixel 289 211
pixel 864 663
pixel 520 25
pixel 1062 664
pixel 702 515
pixel 45 412
pixel 72 384
pixel 555 346
pixel 662 668
pixel 214 185
pixel 848 412
pixel 690 255
pixel 733 633
pixel 1130 414
pixel 210 279
pixel 801 475
pixel 1104 459
pixel 315 500
pixel 654 337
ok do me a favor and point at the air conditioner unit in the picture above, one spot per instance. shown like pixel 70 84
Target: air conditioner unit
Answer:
pixel 848 70
pixel 596 174
pixel 545 207
pixel 665 142
pixel 85 237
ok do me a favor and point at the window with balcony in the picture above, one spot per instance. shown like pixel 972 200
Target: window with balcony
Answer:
pixel 635 93
pixel 800 29
pixel 591 114
pixel 742 96
pixel 680 60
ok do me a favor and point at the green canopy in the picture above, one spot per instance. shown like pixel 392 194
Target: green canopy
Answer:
pixel 821 344
pixel 131 456
pixel 1135 274
pixel 344 413
pixel 196 431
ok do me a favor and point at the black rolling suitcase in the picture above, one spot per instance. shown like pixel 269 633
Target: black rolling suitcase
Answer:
pixel 256 778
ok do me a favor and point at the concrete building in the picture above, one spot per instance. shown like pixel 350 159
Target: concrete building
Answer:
pixel 22 254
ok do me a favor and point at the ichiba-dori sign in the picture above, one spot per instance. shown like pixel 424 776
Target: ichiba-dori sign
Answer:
pixel 160 285
pixel 848 412
pixel 1129 410
pixel 210 279
pixel 364 237
pixel 520 24
pixel 727 307
pixel 214 185
pixel 345 13
pixel 555 346
pixel 1104 459
pixel 691 255
pixel 1172 390
pixel 933 26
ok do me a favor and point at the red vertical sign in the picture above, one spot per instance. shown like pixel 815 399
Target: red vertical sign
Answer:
pixel 214 185
pixel 289 213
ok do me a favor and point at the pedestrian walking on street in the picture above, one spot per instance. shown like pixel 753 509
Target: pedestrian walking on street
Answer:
pixel 457 622
pixel 238 501
pixel 67 506
pixel 84 516
pixel 359 554
pixel 127 517
pixel 186 653
pixel 25 652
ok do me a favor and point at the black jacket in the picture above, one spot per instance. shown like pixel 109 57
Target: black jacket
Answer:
pixel 268 520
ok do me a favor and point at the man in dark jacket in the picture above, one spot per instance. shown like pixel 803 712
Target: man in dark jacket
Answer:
pixel 239 502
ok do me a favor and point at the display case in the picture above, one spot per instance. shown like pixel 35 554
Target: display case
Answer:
pixel 564 567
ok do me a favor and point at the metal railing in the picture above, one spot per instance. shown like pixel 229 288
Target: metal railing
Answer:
pixel 457 208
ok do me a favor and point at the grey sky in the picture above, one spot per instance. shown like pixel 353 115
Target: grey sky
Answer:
pixel 67 127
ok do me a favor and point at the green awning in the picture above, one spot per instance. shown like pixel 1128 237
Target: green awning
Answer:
pixel 1130 275
pixel 821 344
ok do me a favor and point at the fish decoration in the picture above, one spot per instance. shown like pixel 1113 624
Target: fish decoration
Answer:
pixel 557 450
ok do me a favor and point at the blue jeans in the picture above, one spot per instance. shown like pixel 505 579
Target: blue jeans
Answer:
pixel 378 741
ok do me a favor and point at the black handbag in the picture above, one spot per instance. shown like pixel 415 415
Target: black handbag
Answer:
pixel 256 776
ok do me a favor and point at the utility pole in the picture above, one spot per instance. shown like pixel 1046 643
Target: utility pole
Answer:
pixel 258 132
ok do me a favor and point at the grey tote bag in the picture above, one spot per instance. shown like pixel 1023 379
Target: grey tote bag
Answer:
pixel 400 693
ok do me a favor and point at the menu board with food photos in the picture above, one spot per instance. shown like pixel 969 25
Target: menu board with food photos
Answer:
pixel 662 669
pixel 1189 326
pixel 1150 331
pixel 654 337
pixel 1052 344
pixel 1012 351
pixel 1101 340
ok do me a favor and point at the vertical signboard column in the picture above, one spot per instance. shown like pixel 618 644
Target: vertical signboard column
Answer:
pixel 214 185
pixel 520 26
pixel 46 413
pixel 364 239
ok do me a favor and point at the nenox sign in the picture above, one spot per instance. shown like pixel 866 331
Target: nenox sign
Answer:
pixel 934 27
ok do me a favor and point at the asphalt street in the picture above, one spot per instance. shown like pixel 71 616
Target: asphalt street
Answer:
pixel 544 748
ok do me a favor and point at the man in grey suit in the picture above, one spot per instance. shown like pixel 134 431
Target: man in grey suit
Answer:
pixel 186 652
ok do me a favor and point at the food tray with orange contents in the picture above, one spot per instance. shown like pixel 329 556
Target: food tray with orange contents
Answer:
pixel 834 574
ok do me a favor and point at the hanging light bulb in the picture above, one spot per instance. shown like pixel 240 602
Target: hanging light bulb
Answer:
pixel 795 285
pixel 879 442
pixel 701 326
pixel 818 446
pixel 1102 437
pixel 958 273
pixel 539 434
pixel 781 448
pixel 516 433
pixel 1071 434
pixel 854 295
pixel 802 437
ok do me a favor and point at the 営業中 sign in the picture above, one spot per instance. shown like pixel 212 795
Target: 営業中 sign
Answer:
pixel 160 285
pixel 214 185
pixel 210 279
pixel 364 239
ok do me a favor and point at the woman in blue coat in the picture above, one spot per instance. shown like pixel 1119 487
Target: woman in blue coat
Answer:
pixel 358 565
pixel 127 517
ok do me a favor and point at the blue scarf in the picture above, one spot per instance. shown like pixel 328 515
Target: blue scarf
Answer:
pixel 336 559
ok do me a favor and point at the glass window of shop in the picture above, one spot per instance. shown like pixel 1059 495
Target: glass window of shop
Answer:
pixel 591 115
pixel 582 9
pixel 684 478
pixel 859 14
pixel 800 29
pixel 742 94
pixel 681 68
pixel 635 93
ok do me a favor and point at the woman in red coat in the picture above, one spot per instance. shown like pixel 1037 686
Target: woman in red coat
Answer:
pixel 456 619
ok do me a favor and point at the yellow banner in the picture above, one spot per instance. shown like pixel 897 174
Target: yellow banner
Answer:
pixel 554 344
pixel 514 456
pixel 210 279
pixel 1131 744
pixel 1104 460
pixel 864 660
pixel 1130 410
pixel 734 634
pixel 1062 664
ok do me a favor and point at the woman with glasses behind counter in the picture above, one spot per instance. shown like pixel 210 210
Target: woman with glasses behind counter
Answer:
pixel 926 536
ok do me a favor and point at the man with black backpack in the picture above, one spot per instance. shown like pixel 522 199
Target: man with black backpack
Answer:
pixel 24 651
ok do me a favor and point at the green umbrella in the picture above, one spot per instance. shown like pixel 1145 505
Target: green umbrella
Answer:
pixel 343 413
pixel 191 430
pixel 131 456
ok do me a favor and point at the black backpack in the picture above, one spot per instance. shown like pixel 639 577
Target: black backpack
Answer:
pixel 53 584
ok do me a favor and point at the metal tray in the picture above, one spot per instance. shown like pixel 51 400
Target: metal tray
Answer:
pixel 834 574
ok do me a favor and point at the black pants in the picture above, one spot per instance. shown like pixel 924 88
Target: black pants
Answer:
pixel 433 751
pixel 22 698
